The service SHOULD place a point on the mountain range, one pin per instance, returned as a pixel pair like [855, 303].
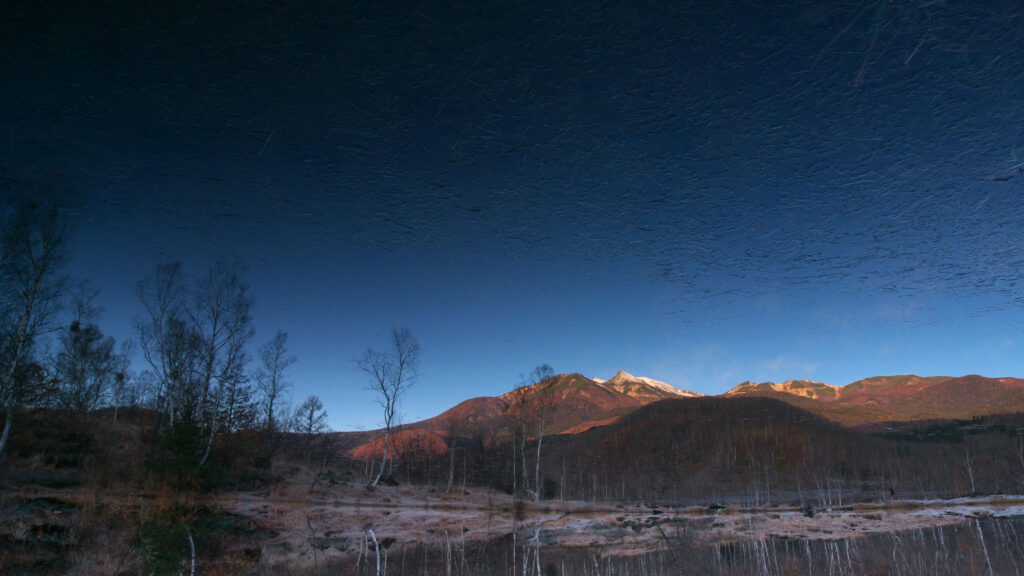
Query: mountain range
[896, 398]
[573, 404]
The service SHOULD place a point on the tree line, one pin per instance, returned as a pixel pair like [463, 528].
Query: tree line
[194, 335]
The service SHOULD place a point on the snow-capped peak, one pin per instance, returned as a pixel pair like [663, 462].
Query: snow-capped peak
[625, 383]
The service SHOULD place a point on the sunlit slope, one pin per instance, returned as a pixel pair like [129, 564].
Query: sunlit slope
[568, 403]
[897, 398]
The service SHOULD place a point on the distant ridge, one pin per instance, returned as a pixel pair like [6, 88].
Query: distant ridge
[804, 388]
[891, 398]
[576, 404]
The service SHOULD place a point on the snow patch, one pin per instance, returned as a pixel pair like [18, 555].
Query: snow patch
[622, 378]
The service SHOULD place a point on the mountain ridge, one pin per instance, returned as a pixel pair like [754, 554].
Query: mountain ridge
[903, 397]
[573, 404]
[625, 383]
[805, 388]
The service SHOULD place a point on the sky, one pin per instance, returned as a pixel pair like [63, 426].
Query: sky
[699, 192]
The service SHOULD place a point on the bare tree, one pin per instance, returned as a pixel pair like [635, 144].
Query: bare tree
[391, 373]
[164, 337]
[968, 465]
[271, 378]
[33, 245]
[150, 392]
[221, 316]
[515, 421]
[194, 339]
[542, 402]
[529, 405]
[86, 363]
[310, 417]
[454, 429]
[1020, 456]
[125, 391]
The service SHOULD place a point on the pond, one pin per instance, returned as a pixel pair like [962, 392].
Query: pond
[484, 533]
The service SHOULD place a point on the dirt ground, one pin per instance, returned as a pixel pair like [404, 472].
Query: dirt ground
[336, 519]
[300, 522]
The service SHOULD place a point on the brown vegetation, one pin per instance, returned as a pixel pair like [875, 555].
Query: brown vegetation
[897, 398]
[76, 486]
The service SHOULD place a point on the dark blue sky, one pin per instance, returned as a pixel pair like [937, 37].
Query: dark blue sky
[699, 192]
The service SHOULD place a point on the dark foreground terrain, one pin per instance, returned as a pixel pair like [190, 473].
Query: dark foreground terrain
[690, 486]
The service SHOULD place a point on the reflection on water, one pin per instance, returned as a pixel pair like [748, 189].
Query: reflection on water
[980, 545]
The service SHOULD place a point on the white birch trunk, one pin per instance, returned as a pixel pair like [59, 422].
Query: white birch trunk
[384, 462]
[376, 548]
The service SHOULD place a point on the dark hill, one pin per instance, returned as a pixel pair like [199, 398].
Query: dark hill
[755, 450]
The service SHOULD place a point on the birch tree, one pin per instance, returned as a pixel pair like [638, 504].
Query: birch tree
[391, 373]
[221, 316]
[454, 429]
[271, 378]
[541, 407]
[516, 419]
[164, 337]
[530, 404]
[193, 336]
[33, 252]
